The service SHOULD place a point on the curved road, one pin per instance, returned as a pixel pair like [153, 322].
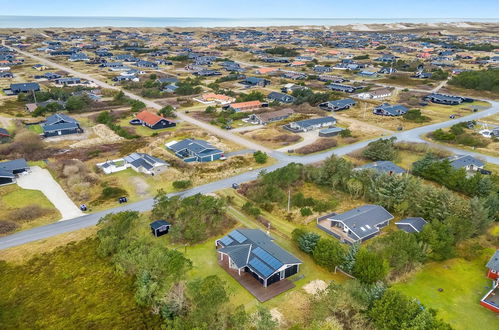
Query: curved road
[61, 227]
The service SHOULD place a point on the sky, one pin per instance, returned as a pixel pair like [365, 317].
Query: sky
[256, 8]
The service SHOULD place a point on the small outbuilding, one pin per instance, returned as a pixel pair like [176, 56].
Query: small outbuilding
[160, 227]
[411, 225]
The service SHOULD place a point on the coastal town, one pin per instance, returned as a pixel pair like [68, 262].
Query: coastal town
[314, 178]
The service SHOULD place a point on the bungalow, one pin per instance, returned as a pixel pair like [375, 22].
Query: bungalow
[331, 78]
[356, 225]
[193, 150]
[330, 131]
[446, 99]
[254, 252]
[375, 94]
[10, 169]
[6, 75]
[255, 81]
[40, 67]
[146, 64]
[152, 120]
[280, 97]
[30, 107]
[390, 110]
[337, 105]
[16, 89]
[71, 81]
[341, 88]
[386, 58]
[160, 227]
[411, 225]
[78, 57]
[269, 117]
[139, 162]
[168, 80]
[59, 124]
[246, 106]
[385, 166]
[491, 299]
[467, 162]
[169, 88]
[211, 98]
[207, 73]
[310, 124]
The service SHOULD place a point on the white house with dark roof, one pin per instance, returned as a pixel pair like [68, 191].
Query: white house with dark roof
[356, 225]
[139, 162]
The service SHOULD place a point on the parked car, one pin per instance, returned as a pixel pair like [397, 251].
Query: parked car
[122, 200]
[235, 186]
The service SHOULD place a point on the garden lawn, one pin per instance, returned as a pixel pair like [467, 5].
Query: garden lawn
[35, 128]
[464, 284]
[12, 197]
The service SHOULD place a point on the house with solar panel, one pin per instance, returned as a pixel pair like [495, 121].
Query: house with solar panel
[193, 150]
[357, 225]
[251, 252]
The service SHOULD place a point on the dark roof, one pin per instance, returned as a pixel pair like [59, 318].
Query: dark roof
[256, 250]
[158, 223]
[460, 161]
[193, 145]
[25, 87]
[383, 167]
[394, 110]
[363, 220]
[4, 132]
[7, 168]
[315, 121]
[146, 161]
[493, 263]
[411, 225]
[59, 118]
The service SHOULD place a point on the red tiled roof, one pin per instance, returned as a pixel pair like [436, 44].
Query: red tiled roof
[149, 117]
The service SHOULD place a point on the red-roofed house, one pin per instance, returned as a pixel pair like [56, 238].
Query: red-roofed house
[152, 120]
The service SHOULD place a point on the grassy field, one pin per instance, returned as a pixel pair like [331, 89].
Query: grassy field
[69, 288]
[35, 128]
[12, 198]
[463, 283]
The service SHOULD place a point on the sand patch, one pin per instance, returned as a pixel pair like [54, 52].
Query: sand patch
[277, 316]
[314, 287]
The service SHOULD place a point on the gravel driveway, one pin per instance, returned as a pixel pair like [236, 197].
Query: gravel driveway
[41, 179]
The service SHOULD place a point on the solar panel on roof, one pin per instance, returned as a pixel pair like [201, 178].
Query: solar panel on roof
[226, 240]
[240, 238]
[267, 258]
[260, 267]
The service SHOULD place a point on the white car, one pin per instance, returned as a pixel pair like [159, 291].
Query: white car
[486, 133]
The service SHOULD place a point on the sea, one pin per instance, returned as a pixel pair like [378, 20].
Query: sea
[88, 22]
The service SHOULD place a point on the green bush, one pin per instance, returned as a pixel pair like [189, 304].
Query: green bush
[260, 157]
[181, 184]
[306, 212]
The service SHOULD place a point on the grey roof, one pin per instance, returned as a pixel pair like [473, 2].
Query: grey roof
[252, 247]
[493, 263]
[14, 165]
[363, 220]
[385, 166]
[3, 131]
[193, 145]
[411, 225]
[58, 118]
[341, 103]
[281, 97]
[460, 161]
[25, 87]
[394, 110]
[59, 127]
[315, 121]
[146, 161]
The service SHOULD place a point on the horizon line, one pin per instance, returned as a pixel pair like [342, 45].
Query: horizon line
[210, 17]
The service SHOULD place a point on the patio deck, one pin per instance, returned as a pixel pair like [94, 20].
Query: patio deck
[492, 298]
[254, 287]
[325, 225]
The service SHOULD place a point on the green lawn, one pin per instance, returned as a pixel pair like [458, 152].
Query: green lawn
[464, 284]
[35, 128]
[12, 197]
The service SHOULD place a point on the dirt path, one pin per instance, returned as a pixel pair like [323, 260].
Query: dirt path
[41, 179]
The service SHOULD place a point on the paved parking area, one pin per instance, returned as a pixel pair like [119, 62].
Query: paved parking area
[41, 179]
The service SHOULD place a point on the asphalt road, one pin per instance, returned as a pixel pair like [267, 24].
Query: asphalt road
[61, 227]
